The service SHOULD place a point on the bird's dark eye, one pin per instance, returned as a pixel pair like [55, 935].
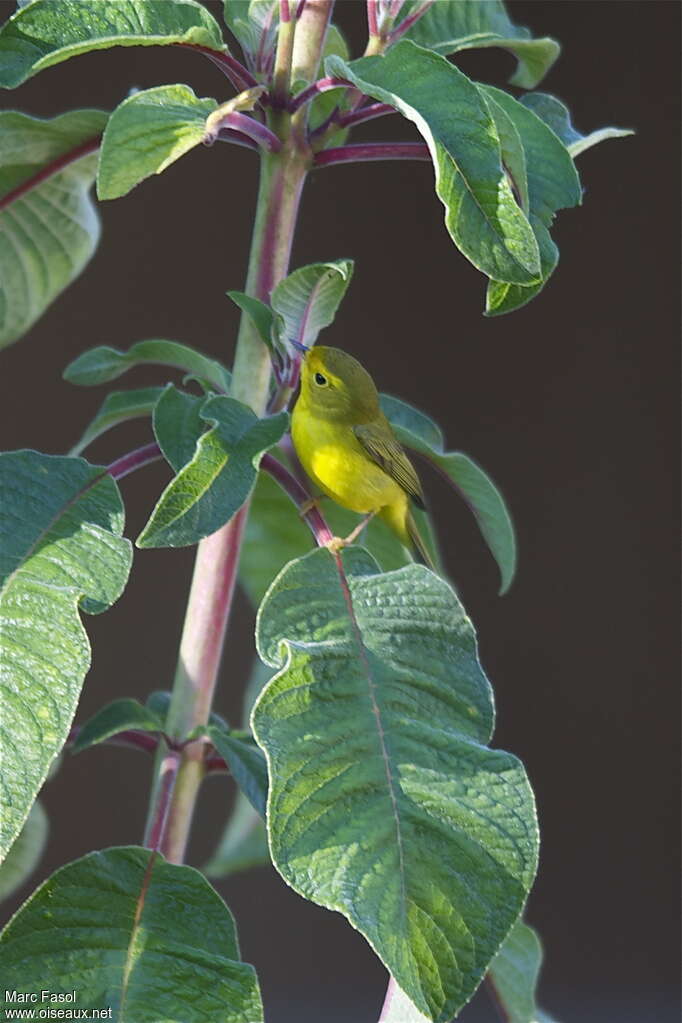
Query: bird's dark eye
[320, 379]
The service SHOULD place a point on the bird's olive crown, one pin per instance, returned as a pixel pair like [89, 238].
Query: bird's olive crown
[336, 385]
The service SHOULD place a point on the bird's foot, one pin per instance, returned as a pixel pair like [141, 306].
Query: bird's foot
[337, 543]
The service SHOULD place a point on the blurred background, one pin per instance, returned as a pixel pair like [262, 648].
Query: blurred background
[570, 405]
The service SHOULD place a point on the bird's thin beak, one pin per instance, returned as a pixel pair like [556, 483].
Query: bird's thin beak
[299, 346]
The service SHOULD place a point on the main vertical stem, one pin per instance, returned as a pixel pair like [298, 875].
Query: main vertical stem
[215, 569]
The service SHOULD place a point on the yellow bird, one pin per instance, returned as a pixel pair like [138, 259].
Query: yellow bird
[347, 447]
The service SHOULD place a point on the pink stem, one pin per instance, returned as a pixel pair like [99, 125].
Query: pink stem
[365, 152]
[248, 126]
[284, 12]
[321, 85]
[300, 8]
[229, 65]
[409, 21]
[237, 139]
[367, 113]
[299, 496]
[134, 460]
[372, 23]
[168, 773]
[52, 168]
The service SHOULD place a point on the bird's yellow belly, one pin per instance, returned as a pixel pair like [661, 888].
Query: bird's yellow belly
[334, 459]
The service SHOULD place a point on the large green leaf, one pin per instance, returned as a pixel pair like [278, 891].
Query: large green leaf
[385, 802]
[49, 230]
[47, 32]
[308, 298]
[99, 365]
[415, 430]
[61, 551]
[119, 407]
[148, 939]
[481, 213]
[553, 184]
[26, 852]
[514, 974]
[556, 115]
[148, 132]
[452, 25]
[208, 491]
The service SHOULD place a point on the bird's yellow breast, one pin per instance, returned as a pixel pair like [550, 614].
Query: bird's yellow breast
[332, 456]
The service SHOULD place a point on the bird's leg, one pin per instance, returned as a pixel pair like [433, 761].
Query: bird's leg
[312, 502]
[337, 543]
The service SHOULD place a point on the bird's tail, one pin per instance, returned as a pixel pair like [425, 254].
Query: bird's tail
[419, 550]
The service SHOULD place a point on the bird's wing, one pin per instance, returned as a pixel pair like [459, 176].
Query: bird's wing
[382, 447]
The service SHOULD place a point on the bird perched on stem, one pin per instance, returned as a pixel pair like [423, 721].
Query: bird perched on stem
[348, 448]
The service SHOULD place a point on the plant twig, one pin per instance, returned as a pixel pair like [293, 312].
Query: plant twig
[367, 151]
[367, 113]
[134, 460]
[301, 498]
[229, 65]
[311, 91]
[409, 21]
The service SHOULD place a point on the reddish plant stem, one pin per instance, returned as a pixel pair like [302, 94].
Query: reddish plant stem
[311, 91]
[300, 497]
[51, 168]
[248, 126]
[365, 152]
[367, 113]
[409, 21]
[237, 139]
[134, 460]
[372, 23]
[229, 65]
[167, 778]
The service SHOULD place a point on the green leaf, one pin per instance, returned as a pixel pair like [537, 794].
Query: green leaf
[178, 425]
[128, 931]
[246, 764]
[207, 492]
[148, 132]
[253, 23]
[308, 298]
[119, 407]
[99, 365]
[61, 551]
[513, 155]
[415, 430]
[26, 853]
[47, 32]
[118, 716]
[481, 214]
[49, 231]
[244, 843]
[261, 314]
[385, 802]
[514, 974]
[553, 184]
[557, 117]
[452, 25]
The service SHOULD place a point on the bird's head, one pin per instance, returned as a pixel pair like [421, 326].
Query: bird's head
[335, 386]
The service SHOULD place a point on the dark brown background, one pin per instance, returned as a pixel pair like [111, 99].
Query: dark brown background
[569, 404]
